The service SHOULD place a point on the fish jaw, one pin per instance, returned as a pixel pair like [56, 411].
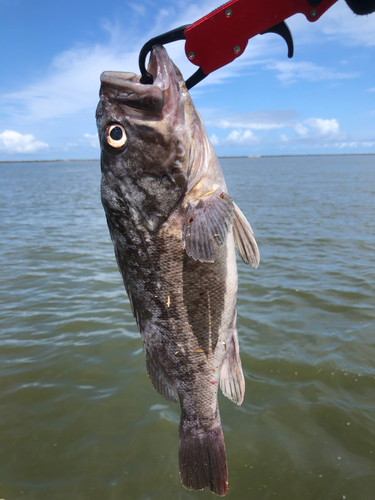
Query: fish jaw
[164, 99]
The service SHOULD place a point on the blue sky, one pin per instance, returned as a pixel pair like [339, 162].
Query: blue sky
[52, 53]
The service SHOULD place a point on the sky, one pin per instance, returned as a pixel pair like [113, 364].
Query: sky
[322, 101]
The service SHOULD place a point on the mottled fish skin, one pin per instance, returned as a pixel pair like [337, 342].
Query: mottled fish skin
[174, 228]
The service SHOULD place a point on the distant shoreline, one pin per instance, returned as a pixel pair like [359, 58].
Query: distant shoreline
[240, 156]
[299, 155]
[46, 161]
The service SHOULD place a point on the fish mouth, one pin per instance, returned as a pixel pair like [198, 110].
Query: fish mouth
[124, 87]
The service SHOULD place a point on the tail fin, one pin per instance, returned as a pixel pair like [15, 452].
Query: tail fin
[202, 459]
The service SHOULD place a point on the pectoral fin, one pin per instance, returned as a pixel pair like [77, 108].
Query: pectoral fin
[208, 220]
[232, 382]
[244, 239]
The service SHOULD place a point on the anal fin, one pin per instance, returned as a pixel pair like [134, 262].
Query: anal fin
[232, 382]
[244, 240]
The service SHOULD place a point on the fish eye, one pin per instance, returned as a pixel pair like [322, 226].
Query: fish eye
[115, 135]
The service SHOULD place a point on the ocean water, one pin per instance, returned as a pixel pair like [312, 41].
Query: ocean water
[78, 417]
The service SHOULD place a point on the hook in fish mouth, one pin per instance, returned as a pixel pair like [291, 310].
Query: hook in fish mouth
[171, 36]
[125, 88]
[163, 95]
[157, 73]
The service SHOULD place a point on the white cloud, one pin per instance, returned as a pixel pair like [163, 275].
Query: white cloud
[14, 142]
[71, 85]
[66, 97]
[356, 144]
[290, 72]
[330, 139]
[214, 140]
[139, 8]
[371, 90]
[242, 137]
[236, 138]
[92, 139]
[259, 120]
[324, 127]
[301, 130]
[315, 132]
[312, 132]
[337, 24]
[296, 134]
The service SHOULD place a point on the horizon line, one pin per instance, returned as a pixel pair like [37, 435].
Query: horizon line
[232, 156]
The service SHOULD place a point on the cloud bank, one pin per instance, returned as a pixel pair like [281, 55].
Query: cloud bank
[283, 128]
[14, 142]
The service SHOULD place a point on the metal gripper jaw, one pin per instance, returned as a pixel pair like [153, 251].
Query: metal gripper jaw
[282, 30]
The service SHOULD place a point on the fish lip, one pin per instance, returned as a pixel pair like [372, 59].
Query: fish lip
[123, 81]
[118, 78]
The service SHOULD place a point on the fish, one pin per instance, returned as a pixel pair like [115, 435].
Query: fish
[174, 229]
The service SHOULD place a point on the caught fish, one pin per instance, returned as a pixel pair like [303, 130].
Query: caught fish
[174, 228]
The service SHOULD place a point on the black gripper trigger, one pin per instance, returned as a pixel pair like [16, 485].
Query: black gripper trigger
[283, 30]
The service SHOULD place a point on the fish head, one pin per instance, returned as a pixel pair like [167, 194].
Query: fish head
[144, 137]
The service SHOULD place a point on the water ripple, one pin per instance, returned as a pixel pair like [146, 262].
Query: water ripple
[78, 415]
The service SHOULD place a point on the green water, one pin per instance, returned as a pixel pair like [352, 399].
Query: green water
[78, 417]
